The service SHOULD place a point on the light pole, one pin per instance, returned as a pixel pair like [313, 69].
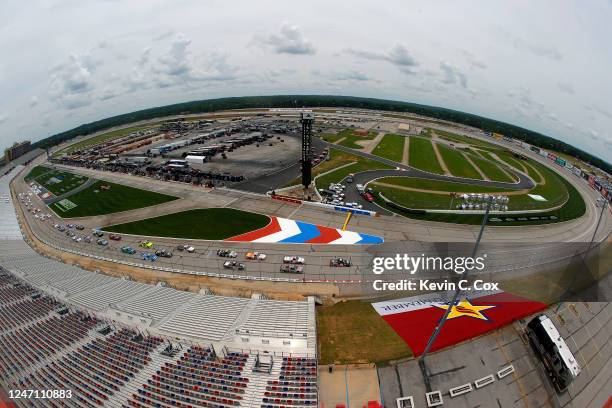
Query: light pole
[453, 301]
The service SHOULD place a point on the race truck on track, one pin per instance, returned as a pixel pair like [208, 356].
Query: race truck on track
[294, 260]
[226, 253]
[340, 262]
[255, 256]
[291, 268]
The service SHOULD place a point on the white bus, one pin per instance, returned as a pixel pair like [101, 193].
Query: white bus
[560, 363]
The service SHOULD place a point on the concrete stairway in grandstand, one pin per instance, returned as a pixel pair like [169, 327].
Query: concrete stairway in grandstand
[121, 397]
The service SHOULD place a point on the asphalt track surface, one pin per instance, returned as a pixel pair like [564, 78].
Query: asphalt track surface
[280, 178]
[521, 249]
[524, 181]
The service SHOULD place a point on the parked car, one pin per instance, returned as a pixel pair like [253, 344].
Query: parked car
[102, 242]
[291, 269]
[80, 227]
[294, 260]
[87, 239]
[145, 244]
[259, 256]
[114, 237]
[227, 253]
[233, 265]
[98, 233]
[340, 262]
[164, 254]
[128, 250]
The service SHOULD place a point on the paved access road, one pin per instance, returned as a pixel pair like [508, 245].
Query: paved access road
[524, 181]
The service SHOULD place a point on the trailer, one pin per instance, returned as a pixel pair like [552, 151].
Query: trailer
[196, 159]
[558, 360]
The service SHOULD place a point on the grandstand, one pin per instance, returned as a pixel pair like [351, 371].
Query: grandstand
[119, 343]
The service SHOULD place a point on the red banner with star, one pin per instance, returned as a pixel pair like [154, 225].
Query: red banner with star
[415, 318]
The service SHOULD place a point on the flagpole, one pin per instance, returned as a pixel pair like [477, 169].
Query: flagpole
[438, 328]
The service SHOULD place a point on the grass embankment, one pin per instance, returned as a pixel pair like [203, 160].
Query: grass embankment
[115, 134]
[492, 170]
[206, 223]
[457, 164]
[60, 182]
[453, 137]
[347, 138]
[553, 190]
[36, 172]
[573, 208]
[439, 197]
[422, 155]
[352, 332]
[98, 200]
[360, 164]
[391, 147]
[338, 158]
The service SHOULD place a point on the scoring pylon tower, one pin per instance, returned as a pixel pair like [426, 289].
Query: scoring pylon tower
[307, 118]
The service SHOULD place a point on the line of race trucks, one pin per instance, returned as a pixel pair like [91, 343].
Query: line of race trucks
[291, 263]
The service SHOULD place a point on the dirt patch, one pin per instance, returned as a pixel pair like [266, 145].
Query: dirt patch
[370, 145]
[542, 180]
[439, 156]
[523, 169]
[484, 176]
[406, 152]
[352, 332]
[502, 168]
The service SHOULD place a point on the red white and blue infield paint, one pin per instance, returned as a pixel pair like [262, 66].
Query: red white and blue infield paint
[283, 230]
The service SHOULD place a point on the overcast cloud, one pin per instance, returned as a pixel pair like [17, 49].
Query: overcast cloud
[66, 62]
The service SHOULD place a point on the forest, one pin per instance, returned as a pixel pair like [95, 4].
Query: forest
[313, 101]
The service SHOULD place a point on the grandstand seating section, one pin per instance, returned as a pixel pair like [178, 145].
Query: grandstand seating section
[56, 333]
[296, 385]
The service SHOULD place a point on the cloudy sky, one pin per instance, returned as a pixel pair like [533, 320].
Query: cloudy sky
[544, 65]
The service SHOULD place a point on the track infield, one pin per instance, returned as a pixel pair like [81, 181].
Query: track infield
[204, 223]
[106, 198]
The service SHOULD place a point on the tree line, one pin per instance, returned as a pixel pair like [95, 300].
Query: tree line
[313, 101]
